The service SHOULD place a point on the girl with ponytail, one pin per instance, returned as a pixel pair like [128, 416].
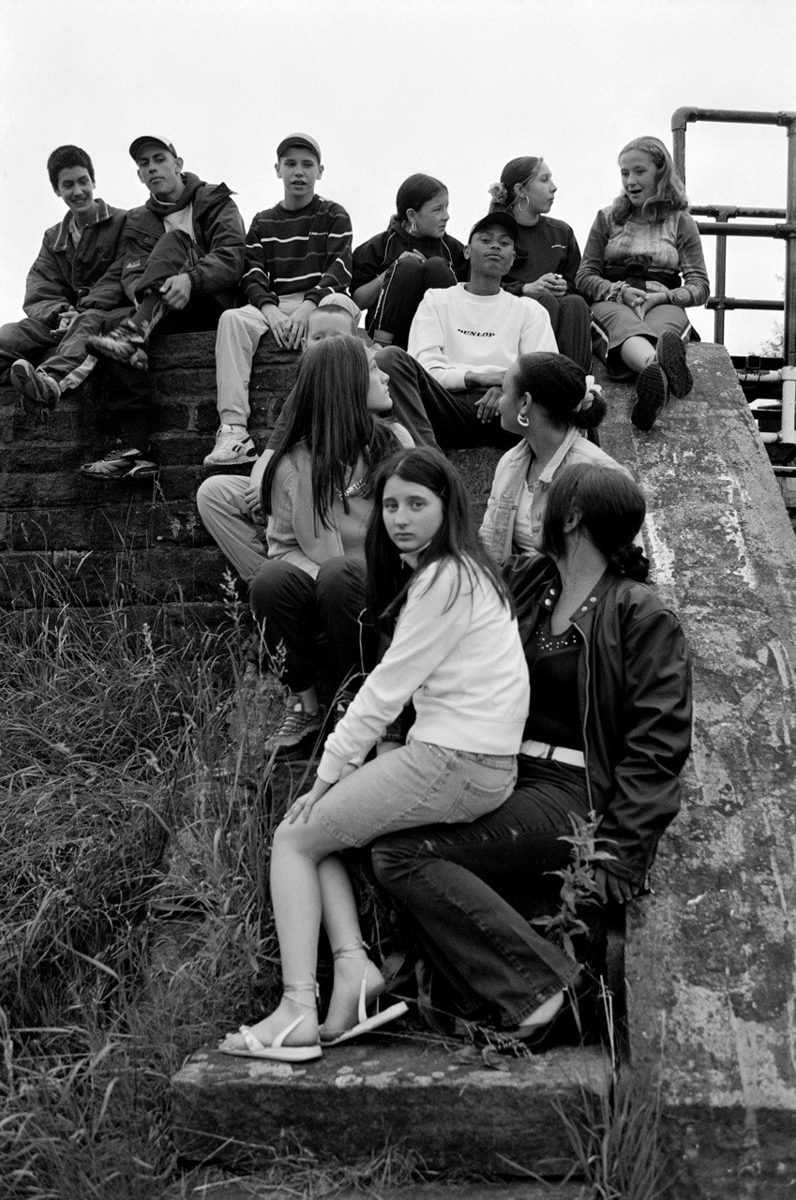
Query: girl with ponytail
[549, 402]
[607, 735]
[548, 255]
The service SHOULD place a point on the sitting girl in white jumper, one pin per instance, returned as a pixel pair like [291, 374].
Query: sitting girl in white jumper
[456, 654]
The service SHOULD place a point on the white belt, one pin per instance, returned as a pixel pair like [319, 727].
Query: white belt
[573, 758]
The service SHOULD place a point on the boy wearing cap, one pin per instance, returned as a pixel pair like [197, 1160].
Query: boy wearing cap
[296, 253]
[447, 388]
[183, 253]
[468, 335]
[73, 289]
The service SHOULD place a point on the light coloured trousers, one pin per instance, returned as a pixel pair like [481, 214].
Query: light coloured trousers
[237, 338]
[221, 501]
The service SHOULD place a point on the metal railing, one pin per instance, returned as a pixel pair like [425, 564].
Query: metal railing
[725, 224]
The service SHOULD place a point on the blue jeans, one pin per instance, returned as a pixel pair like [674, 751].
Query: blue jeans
[417, 784]
[462, 889]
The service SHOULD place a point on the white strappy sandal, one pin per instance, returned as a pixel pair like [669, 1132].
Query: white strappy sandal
[277, 1051]
[364, 1023]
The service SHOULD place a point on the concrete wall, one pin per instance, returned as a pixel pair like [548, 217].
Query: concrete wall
[710, 958]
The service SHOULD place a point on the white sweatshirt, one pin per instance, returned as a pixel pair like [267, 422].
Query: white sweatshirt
[454, 332]
[463, 666]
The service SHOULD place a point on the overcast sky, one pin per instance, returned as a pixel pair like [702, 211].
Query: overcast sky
[388, 87]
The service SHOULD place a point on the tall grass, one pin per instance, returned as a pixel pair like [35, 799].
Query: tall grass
[136, 813]
[616, 1135]
[118, 806]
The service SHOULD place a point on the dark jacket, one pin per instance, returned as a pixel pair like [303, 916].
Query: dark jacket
[82, 276]
[373, 256]
[635, 701]
[218, 230]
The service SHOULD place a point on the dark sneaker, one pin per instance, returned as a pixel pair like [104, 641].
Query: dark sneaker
[120, 464]
[295, 727]
[124, 345]
[651, 395]
[37, 390]
[670, 353]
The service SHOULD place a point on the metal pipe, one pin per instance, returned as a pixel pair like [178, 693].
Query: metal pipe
[730, 210]
[718, 302]
[760, 377]
[721, 287]
[737, 230]
[790, 253]
[787, 432]
[680, 119]
[681, 116]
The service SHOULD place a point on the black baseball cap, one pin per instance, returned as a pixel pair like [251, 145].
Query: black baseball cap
[497, 218]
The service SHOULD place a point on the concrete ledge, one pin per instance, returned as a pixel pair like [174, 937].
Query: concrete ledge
[710, 956]
[355, 1099]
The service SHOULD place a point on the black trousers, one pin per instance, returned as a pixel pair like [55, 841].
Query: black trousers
[434, 415]
[295, 609]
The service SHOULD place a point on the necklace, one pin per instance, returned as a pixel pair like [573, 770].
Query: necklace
[547, 641]
[354, 489]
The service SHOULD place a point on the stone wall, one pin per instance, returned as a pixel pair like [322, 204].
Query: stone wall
[139, 539]
[142, 539]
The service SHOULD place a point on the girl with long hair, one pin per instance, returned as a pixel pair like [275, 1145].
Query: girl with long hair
[642, 267]
[393, 269]
[550, 404]
[455, 652]
[548, 255]
[317, 494]
[607, 733]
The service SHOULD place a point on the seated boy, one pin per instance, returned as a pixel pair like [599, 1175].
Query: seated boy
[229, 505]
[183, 253]
[73, 290]
[296, 253]
[465, 337]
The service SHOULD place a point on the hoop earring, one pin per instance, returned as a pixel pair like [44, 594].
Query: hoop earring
[520, 205]
[522, 421]
[412, 225]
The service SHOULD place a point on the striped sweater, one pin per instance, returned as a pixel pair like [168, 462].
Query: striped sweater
[306, 250]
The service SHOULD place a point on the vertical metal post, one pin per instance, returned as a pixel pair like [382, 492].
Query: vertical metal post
[678, 145]
[721, 283]
[790, 251]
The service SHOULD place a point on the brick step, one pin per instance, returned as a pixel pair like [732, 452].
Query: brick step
[437, 1099]
[51, 515]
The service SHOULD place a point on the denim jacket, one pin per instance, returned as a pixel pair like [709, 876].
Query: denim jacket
[497, 528]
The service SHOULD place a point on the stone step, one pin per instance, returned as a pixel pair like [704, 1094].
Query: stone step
[440, 1100]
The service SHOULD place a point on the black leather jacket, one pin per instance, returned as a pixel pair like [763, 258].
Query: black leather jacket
[635, 702]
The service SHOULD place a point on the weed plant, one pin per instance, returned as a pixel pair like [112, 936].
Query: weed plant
[125, 810]
[616, 1135]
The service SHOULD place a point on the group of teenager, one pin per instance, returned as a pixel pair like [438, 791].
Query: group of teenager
[540, 678]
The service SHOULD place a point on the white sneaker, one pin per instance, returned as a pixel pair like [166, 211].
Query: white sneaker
[233, 445]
